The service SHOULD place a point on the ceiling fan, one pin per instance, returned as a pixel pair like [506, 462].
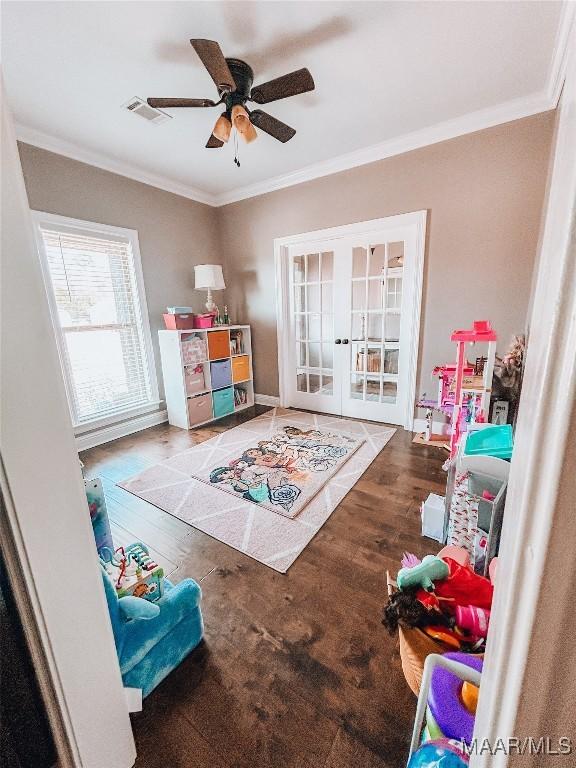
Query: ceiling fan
[233, 79]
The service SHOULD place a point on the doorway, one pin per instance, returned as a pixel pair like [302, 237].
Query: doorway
[349, 314]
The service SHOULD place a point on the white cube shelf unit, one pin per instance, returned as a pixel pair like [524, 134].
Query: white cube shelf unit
[207, 373]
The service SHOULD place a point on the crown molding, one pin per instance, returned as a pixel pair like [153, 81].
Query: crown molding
[450, 129]
[62, 147]
[515, 109]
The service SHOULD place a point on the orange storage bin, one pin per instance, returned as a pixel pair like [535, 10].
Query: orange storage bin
[240, 368]
[218, 344]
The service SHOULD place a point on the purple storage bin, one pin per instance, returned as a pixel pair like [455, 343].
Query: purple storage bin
[221, 374]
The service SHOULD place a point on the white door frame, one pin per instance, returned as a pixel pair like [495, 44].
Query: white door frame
[46, 534]
[528, 678]
[281, 246]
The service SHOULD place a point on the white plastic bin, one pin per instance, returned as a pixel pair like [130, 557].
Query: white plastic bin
[433, 517]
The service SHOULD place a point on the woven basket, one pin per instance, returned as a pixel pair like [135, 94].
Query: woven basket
[415, 645]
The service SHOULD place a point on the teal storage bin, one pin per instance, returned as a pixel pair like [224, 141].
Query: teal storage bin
[223, 400]
[492, 441]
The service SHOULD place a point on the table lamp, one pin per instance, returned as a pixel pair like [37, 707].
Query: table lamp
[209, 277]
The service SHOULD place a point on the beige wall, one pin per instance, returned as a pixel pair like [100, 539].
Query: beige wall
[174, 233]
[484, 194]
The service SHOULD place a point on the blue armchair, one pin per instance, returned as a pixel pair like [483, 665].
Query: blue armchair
[153, 638]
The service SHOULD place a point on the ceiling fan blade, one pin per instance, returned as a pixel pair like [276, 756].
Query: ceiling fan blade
[300, 81]
[168, 103]
[214, 143]
[271, 125]
[213, 59]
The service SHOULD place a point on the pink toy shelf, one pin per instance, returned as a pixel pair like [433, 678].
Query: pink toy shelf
[444, 403]
[472, 397]
[446, 380]
[463, 388]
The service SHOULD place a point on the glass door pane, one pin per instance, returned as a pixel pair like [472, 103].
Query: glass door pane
[369, 307]
[312, 271]
[373, 298]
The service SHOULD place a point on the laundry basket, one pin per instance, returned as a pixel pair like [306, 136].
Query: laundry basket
[415, 645]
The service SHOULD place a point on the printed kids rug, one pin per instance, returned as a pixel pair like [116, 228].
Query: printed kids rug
[267, 486]
[285, 470]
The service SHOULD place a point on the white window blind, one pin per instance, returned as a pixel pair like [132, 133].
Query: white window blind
[104, 343]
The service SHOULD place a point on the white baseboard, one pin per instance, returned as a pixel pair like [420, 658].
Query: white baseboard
[106, 434]
[271, 400]
[419, 425]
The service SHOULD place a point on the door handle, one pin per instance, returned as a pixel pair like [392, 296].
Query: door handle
[337, 341]
[345, 341]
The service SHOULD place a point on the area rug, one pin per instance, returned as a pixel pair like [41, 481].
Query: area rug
[271, 538]
[284, 471]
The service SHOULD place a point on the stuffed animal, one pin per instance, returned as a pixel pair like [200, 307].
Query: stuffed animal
[424, 574]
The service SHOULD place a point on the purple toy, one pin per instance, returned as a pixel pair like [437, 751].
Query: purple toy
[452, 717]
[409, 560]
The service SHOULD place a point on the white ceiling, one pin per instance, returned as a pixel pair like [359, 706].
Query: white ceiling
[382, 70]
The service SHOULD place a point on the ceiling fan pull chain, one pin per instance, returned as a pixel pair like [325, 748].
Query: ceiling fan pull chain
[236, 160]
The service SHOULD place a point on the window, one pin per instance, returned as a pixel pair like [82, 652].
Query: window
[94, 282]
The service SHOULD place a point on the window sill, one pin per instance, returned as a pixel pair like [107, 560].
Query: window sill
[116, 418]
[122, 429]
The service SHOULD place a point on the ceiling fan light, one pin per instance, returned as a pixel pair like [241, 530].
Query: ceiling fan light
[222, 128]
[242, 123]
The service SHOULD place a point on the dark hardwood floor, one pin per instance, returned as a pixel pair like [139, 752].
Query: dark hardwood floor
[296, 670]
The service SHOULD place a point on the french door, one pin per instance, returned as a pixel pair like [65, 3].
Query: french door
[351, 305]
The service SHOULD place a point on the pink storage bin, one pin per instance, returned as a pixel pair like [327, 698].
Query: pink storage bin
[199, 409]
[194, 379]
[178, 322]
[203, 321]
[194, 350]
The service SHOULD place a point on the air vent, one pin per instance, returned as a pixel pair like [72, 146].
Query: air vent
[140, 107]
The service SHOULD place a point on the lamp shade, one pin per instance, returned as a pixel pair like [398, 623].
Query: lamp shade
[242, 123]
[222, 128]
[209, 276]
